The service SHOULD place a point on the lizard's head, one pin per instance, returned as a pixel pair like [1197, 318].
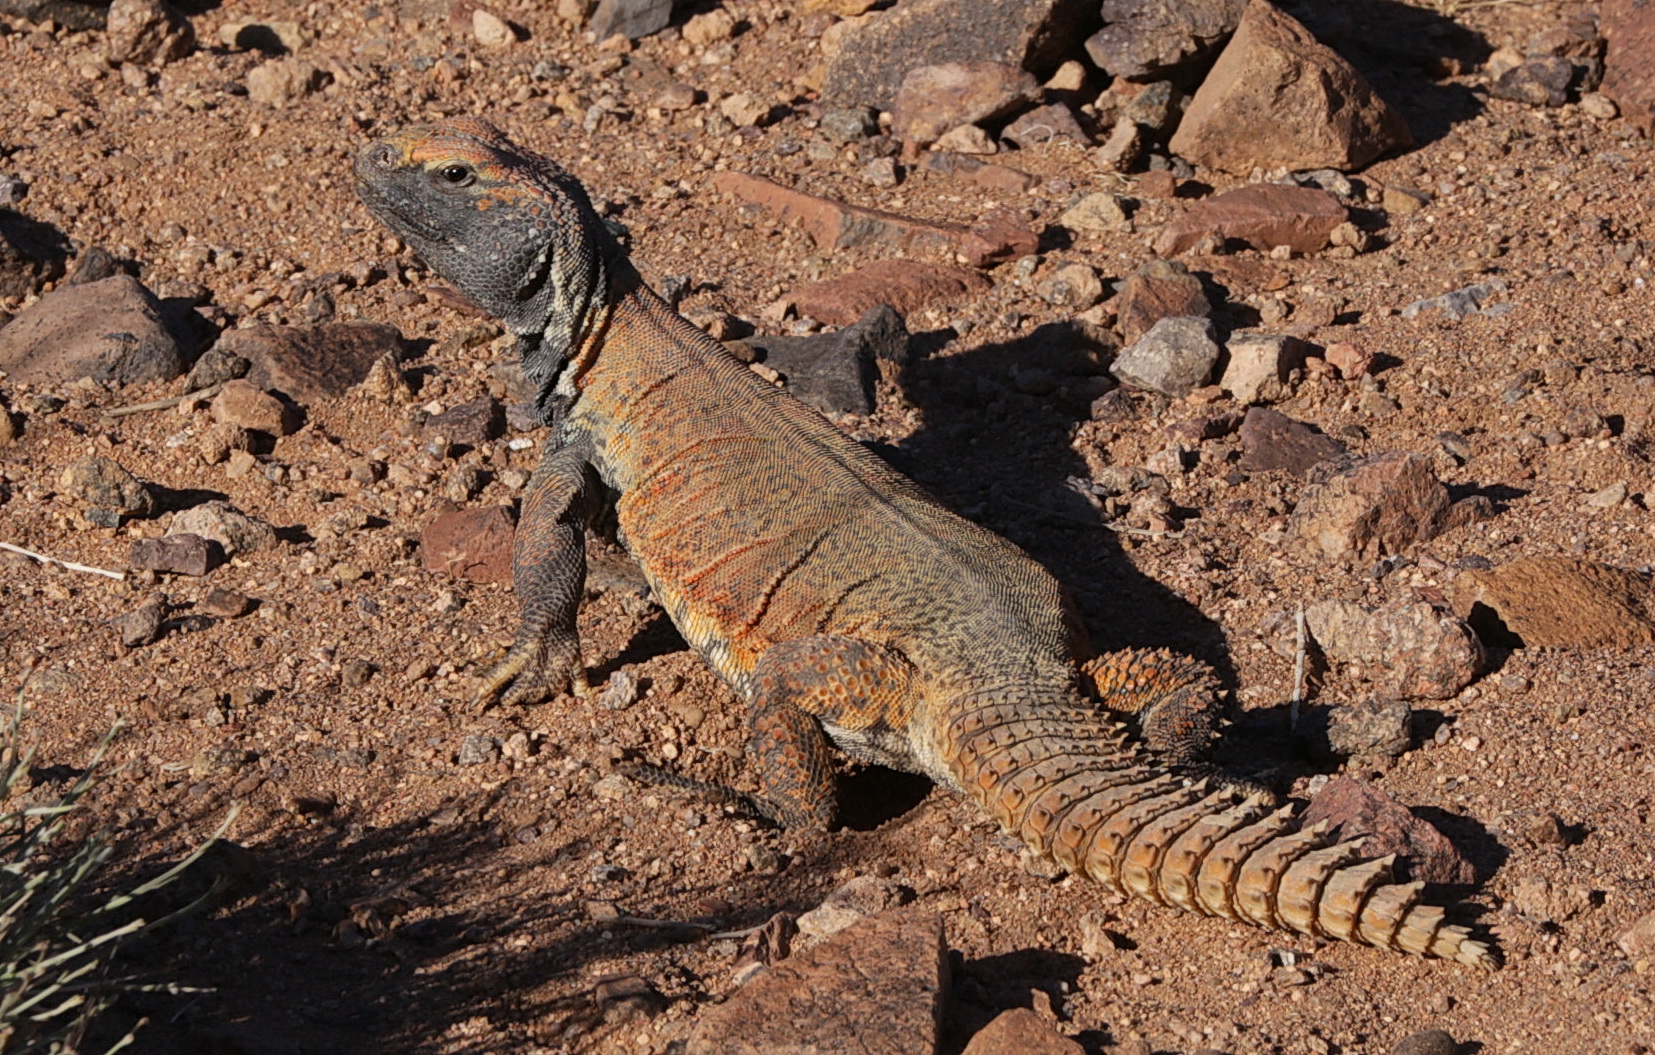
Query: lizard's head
[512, 230]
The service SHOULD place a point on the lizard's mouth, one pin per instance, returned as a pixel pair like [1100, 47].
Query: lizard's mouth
[403, 221]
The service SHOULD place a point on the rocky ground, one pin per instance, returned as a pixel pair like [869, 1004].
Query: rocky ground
[1437, 443]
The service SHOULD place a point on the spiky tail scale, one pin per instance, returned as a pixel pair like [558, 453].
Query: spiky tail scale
[1063, 779]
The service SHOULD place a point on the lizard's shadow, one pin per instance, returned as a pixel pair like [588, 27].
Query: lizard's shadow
[995, 446]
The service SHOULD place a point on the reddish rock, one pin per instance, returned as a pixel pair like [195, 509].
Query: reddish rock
[906, 285]
[471, 544]
[1043, 124]
[1561, 602]
[1272, 440]
[225, 604]
[1352, 361]
[245, 405]
[835, 225]
[1021, 1032]
[1160, 289]
[1628, 75]
[311, 363]
[875, 54]
[147, 32]
[473, 423]
[1378, 506]
[1157, 183]
[1356, 809]
[891, 969]
[109, 330]
[987, 174]
[1408, 649]
[1262, 215]
[175, 554]
[934, 99]
[1278, 99]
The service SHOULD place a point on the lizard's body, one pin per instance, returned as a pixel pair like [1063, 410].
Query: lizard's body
[835, 596]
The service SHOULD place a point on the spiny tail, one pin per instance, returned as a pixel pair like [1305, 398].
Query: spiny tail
[1065, 781]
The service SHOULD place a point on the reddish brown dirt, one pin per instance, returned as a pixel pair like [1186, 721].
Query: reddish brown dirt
[399, 902]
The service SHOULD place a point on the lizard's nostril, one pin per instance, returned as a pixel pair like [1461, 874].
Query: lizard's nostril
[385, 156]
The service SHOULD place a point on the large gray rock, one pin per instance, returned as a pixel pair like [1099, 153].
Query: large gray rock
[1147, 40]
[875, 56]
[110, 331]
[1174, 358]
[630, 18]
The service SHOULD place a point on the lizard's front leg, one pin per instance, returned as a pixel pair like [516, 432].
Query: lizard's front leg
[548, 567]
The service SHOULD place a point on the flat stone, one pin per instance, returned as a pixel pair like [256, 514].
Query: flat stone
[225, 604]
[1021, 1031]
[1542, 81]
[1174, 358]
[1272, 440]
[1261, 366]
[1276, 98]
[987, 174]
[933, 99]
[875, 54]
[1628, 75]
[472, 423]
[1356, 809]
[630, 18]
[969, 140]
[490, 30]
[850, 124]
[106, 484]
[245, 405]
[175, 554]
[1160, 289]
[111, 331]
[835, 225]
[1459, 303]
[75, 15]
[147, 32]
[311, 363]
[1098, 211]
[1408, 649]
[1381, 505]
[836, 372]
[1147, 40]
[32, 253]
[892, 969]
[1260, 215]
[233, 530]
[472, 544]
[906, 285]
[1044, 124]
[1559, 602]
[853, 900]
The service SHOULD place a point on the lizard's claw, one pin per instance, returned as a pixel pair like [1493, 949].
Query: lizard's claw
[534, 672]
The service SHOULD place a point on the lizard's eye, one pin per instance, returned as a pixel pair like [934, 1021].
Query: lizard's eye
[457, 175]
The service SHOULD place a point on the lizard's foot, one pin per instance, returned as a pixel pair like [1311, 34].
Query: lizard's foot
[534, 672]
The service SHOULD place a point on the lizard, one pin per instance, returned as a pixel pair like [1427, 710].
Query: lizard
[842, 602]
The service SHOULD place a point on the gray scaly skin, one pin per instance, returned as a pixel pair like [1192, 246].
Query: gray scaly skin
[838, 599]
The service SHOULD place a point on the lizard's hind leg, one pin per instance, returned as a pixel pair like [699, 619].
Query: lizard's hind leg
[803, 691]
